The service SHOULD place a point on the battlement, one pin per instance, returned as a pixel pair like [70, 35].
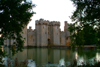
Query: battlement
[41, 22]
[46, 22]
[54, 23]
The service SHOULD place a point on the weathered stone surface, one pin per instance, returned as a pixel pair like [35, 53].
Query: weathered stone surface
[67, 33]
[63, 39]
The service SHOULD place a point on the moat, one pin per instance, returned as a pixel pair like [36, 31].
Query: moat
[54, 56]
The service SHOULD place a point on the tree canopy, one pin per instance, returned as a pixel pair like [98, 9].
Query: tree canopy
[86, 10]
[14, 16]
[87, 22]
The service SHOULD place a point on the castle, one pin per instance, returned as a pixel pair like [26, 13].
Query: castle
[45, 33]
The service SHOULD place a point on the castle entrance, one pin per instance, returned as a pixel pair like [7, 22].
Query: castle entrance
[48, 41]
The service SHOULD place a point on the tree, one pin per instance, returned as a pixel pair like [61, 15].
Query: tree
[90, 35]
[14, 15]
[87, 11]
[87, 19]
[77, 35]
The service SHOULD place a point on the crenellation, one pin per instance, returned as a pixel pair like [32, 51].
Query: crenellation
[54, 23]
[46, 22]
[41, 22]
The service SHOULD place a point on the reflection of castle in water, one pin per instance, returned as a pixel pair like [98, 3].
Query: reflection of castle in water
[46, 33]
[42, 56]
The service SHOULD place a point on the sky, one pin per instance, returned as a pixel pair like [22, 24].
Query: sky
[52, 10]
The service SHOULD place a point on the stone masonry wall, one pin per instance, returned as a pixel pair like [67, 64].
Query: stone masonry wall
[56, 33]
[31, 37]
[63, 39]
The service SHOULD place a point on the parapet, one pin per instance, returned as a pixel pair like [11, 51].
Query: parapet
[46, 22]
[54, 23]
[41, 22]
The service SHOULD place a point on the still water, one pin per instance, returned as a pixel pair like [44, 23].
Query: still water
[54, 56]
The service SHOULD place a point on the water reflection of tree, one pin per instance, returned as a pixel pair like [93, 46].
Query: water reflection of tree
[86, 53]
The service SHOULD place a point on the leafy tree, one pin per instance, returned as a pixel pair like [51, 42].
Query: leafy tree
[85, 35]
[87, 11]
[86, 18]
[14, 15]
[77, 35]
[90, 35]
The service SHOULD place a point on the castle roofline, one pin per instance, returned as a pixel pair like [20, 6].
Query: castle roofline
[46, 22]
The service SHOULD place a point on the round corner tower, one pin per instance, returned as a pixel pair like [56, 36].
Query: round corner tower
[55, 33]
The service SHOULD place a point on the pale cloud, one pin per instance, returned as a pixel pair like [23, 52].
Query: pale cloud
[52, 10]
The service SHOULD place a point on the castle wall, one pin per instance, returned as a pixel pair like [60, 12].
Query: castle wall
[56, 35]
[50, 34]
[5, 42]
[9, 42]
[44, 35]
[31, 41]
[24, 35]
[63, 39]
[38, 36]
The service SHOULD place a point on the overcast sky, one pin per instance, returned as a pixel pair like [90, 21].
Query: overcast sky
[52, 10]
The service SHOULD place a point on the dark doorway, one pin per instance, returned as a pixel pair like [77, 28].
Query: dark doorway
[48, 41]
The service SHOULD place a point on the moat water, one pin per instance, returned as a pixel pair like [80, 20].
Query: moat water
[54, 56]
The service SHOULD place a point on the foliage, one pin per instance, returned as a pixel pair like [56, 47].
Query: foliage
[86, 35]
[14, 16]
[77, 36]
[90, 35]
[86, 10]
[87, 26]
[1, 41]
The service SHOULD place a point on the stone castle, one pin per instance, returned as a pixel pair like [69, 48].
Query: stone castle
[46, 33]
